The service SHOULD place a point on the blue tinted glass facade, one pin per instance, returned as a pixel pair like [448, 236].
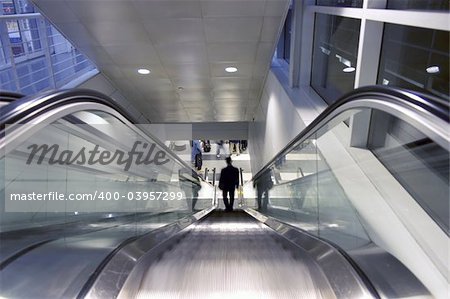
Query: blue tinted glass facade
[34, 56]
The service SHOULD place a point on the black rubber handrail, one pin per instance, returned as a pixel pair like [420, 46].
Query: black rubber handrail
[28, 108]
[9, 96]
[434, 105]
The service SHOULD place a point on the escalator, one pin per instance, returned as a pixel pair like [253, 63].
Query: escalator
[370, 175]
[6, 97]
[230, 255]
[339, 219]
[53, 249]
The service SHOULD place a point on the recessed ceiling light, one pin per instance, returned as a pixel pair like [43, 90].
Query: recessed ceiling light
[143, 71]
[348, 69]
[433, 69]
[231, 69]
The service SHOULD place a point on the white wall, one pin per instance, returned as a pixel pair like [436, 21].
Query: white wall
[100, 83]
[282, 114]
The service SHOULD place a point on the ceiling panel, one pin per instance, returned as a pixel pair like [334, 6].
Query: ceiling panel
[203, 110]
[148, 85]
[188, 70]
[200, 95]
[260, 69]
[98, 55]
[233, 101]
[58, 11]
[231, 94]
[182, 53]
[78, 34]
[233, 29]
[196, 104]
[167, 9]
[270, 29]
[175, 30]
[118, 33]
[276, 8]
[230, 83]
[185, 44]
[112, 71]
[136, 55]
[265, 52]
[187, 83]
[256, 83]
[94, 11]
[232, 52]
[233, 8]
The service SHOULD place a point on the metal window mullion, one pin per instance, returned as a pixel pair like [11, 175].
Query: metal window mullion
[369, 49]
[4, 35]
[422, 18]
[45, 45]
[296, 36]
[20, 16]
[306, 43]
[369, 46]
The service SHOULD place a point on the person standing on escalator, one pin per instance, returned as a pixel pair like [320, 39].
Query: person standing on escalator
[196, 154]
[228, 182]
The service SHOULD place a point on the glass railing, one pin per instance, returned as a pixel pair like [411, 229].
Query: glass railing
[371, 172]
[74, 165]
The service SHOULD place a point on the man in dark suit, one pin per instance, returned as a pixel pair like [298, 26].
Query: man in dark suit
[228, 182]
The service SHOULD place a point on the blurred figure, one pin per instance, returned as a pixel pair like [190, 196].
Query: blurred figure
[243, 145]
[190, 184]
[196, 154]
[234, 147]
[263, 185]
[219, 146]
[206, 146]
[228, 182]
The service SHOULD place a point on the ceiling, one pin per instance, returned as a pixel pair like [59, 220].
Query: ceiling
[185, 44]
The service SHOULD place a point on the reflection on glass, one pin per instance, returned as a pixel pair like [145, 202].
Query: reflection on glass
[283, 49]
[334, 56]
[418, 4]
[113, 200]
[415, 58]
[306, 186]
[287, 36]
[417, 162]
[263, 186]
[331, 183]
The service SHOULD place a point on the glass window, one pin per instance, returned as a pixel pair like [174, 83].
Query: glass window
[8, 7]
[2, 54]
[283, 50]
[419, 4]
[287, 36]
[28, 43]
[24, 6]
[15, 38]
[344, 3]
[417, 162]
[334, 56]
[415, 58]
